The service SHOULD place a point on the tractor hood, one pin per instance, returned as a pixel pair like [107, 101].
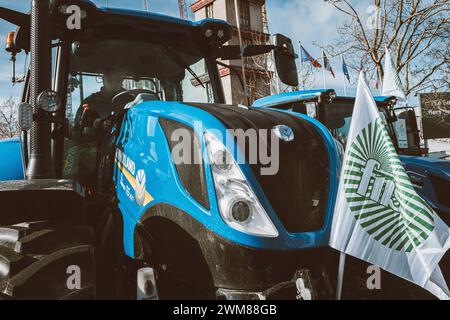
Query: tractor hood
[437, 166]
[431, 178]
[297, 185]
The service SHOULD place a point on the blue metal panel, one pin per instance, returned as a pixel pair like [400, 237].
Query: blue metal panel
[11, 164]
[384, 99]
[288, 97]
[148, 150]
[420, 169]
[298, 96]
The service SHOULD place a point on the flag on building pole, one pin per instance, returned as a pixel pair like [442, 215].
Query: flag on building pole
[346, 75]
[345, 69]
[306, 57]
[323, 71]
[327, 64]
[392, 85]
[379, 217]
[301, 64]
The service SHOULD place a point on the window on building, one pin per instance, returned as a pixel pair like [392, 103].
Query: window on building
[210, 10]
[244, 8]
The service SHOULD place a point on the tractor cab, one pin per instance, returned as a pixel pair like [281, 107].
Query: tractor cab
[106, 63]
[336, 113]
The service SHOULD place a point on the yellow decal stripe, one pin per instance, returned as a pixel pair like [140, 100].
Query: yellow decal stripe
[133, 183]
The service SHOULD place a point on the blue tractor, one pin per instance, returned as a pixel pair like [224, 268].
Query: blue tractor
[430, 176]
[134, 179]
[95, 200]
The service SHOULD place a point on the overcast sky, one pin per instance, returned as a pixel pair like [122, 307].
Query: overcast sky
[306, 20]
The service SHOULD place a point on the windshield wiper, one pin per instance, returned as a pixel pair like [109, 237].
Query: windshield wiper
[184, 65]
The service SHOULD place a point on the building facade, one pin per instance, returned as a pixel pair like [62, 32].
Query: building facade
[254, 30]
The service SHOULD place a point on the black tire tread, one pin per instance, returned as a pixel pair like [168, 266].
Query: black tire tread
[34, 258]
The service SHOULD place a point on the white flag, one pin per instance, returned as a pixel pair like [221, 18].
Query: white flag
[392, 85]
[379, 217]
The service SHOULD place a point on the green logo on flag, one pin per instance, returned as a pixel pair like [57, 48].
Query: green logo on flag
[380, 194]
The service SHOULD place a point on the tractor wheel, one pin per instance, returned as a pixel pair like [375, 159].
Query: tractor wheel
[43, 260]
[176, 270]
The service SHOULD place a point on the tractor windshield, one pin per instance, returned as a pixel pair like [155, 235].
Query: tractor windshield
[338, 116]
[101, 70]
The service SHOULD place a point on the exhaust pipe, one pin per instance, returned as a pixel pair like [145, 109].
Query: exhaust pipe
[40, 164]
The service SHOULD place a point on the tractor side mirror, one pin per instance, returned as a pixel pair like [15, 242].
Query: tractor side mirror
[285, 60]
[283, 51]
[411, 131]
[413, 125]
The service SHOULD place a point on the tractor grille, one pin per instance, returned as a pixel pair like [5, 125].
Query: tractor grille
[298, 192]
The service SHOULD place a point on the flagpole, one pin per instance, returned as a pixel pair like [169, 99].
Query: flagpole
[323, 70]
[380, 84]
[340, 277]
[301, 63]
[343, 77]
[277, 78]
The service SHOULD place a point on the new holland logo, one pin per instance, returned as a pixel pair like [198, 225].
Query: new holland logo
[284, 133]
[140, 187]
[380, 194]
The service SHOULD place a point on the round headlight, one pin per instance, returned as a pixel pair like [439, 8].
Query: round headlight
[221, 160]
[241, 211]
[209, 33]
[48, 101]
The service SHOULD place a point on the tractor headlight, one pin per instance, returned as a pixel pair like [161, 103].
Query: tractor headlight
[241, 211]
[209, 33]
[48, 101]
[238, 205]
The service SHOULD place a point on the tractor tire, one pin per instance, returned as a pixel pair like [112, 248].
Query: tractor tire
[44, 260]
[111, 271]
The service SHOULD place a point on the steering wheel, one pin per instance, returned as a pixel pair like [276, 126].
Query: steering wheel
[119, 101]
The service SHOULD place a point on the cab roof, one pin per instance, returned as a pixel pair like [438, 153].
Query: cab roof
[297, 96]
[103, 22]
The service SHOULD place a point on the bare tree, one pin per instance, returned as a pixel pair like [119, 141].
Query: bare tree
[9, 126]
[307, 77]
[417, 32]
[260, 70]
